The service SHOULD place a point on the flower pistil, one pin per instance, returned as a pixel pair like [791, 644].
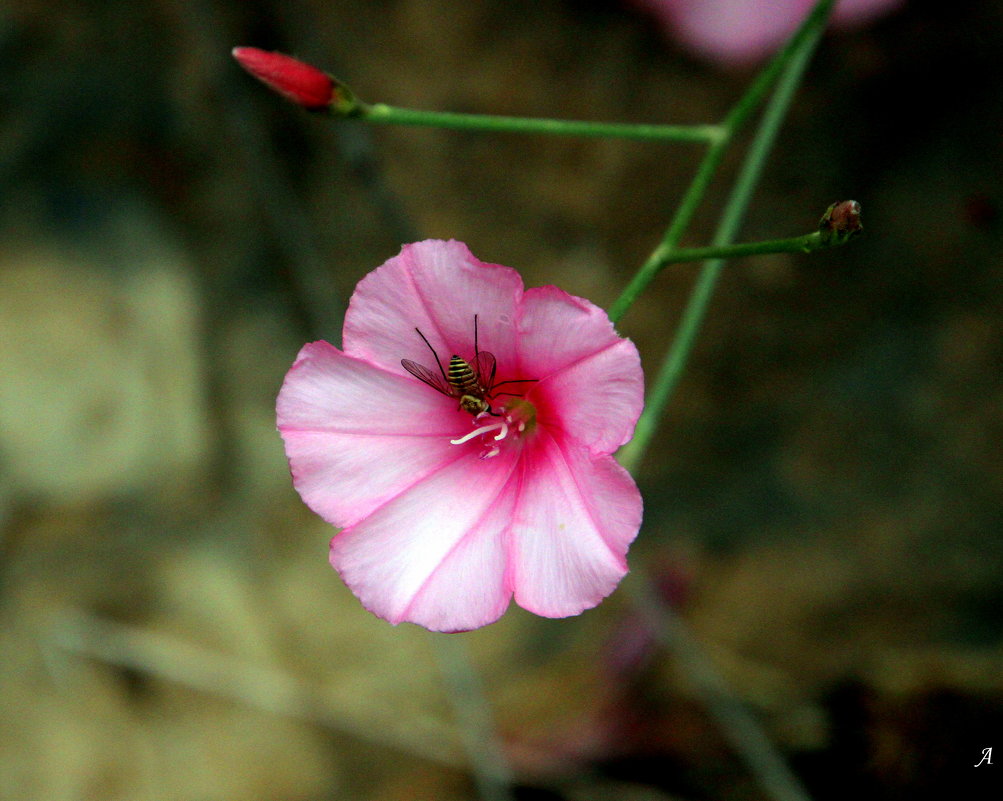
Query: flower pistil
[517, 419]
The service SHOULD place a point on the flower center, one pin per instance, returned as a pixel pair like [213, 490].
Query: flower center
[516, 420]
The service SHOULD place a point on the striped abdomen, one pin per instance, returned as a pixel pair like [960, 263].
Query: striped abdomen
[462, 377]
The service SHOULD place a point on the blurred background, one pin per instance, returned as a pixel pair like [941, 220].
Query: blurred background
[823, 500]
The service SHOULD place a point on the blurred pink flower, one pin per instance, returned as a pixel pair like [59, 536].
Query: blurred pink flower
[742, 31]
[448, 513]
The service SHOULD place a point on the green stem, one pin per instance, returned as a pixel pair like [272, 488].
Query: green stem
[383, 114]
[791, 71]
[733, 122]
[808, 243]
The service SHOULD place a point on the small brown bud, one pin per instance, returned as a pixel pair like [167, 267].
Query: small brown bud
[841, 222]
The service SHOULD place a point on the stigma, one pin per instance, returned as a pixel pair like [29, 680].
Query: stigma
[497, 429]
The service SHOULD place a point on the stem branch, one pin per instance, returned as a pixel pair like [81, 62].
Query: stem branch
[741, 728]
[809, 32]
[383, 114]
[796, 244]
[671, 370]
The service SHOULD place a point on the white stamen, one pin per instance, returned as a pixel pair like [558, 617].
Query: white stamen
[502, 425]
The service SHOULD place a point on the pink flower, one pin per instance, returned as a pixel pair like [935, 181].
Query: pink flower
[448, 511]
[742, 31]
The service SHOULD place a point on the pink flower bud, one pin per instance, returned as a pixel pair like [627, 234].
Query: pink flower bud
[301, 83]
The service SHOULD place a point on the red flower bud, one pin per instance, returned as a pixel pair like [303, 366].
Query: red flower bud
[302, 83]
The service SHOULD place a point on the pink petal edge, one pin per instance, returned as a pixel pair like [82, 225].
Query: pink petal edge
[576, 517]
[434, 555]
[357, 436]
[437, 287]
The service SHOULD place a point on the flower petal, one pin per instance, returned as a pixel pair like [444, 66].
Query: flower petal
[328, 390]
[591, 383]
[435, 554]
[557, 329]
[732, 31]
[438, 287]
[576, 516]
[469, 588]
[356, 435]
[740, 31]
[597, 400]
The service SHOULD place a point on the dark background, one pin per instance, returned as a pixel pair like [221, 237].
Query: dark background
[823, 499]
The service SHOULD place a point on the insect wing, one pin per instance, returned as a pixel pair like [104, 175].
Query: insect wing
[485, 366]
[422, 373]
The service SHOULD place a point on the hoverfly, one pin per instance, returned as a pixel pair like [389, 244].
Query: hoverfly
[472, 382]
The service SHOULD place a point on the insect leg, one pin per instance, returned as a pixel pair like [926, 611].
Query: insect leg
[441, 370]
[515, 381]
